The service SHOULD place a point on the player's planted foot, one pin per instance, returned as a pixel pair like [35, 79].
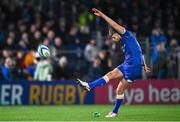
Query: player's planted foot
[111, 114]
[83, 85]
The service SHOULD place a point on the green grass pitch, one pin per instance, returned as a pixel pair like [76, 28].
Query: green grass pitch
[85, 113]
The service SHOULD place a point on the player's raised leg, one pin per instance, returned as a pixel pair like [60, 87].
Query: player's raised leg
[123, 85]
[115, 74]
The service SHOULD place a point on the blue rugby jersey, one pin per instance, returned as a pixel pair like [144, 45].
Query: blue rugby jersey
[131, 49]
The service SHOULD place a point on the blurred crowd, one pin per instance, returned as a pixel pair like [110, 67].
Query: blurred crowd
[79, 43]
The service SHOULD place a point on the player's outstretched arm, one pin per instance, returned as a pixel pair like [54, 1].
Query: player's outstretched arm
[120, 29]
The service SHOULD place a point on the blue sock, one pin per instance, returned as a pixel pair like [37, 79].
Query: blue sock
[117, 105]
[98, 82]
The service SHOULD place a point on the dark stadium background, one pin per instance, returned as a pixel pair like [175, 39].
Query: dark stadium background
[80, 48]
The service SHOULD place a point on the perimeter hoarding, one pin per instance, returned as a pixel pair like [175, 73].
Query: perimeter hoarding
[142, 92]
[44, 93]
[67, 92]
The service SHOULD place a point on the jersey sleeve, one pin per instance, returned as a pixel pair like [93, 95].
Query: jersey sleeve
[127, 33]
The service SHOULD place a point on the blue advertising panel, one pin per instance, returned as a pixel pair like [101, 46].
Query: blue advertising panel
[43, 93]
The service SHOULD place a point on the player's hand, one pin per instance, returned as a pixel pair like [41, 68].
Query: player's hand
[97, 12]
[147, 69]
